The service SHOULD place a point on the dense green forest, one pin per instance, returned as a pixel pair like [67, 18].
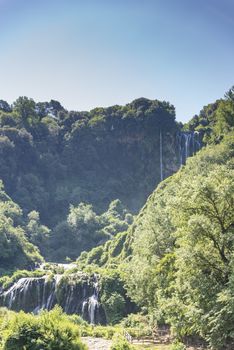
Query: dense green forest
[177, 257]
[72, 157]
[73, 183]
[53, 160]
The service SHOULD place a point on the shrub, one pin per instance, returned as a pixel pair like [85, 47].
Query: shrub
[49, 331]
[177, 345]
[114, 307]
[120, 343]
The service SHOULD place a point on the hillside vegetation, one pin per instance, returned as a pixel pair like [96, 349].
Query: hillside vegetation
[173, 262]
[177, 257]
[66, 168]
[16, 251]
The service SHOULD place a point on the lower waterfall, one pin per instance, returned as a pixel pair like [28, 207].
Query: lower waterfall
[91, 305]
[76, 295]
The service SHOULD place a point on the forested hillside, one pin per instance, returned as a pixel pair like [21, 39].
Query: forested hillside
[215, 120]
[16, 251]
[182, 249]
[176, 260]
[172, 263]
[177, 257]
[65, 169]
[51, 158]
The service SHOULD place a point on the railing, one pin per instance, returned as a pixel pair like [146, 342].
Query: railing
[127, 336]
[158, 336]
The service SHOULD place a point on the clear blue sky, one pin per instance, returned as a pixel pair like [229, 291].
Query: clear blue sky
[88, 53]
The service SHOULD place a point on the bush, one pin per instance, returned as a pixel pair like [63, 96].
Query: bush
[49, 331]
[114, 307]
[99, 332]
[137, 325]
[120, 343]
[113, 296]
[177, 345]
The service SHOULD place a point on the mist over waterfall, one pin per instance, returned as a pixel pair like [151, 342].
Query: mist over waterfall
[33, 294]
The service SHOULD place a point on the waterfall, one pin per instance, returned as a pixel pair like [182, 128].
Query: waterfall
[188, 144]
[93, 305]
[84, 308]
[77, 294]
[30, 294]
[161, 155]
[93, 301]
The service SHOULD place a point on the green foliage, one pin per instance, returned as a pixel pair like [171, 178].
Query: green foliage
[15, 248]
[215, 120]
[114, 307]
[113, 296]
[4, 106]
[178, 346]
[85, 229]
[175, 260]
[229, 95]
[25, 107]
[52, 160]
[120, 343]
[106, 332]
[37, 234]
[50, 330]
[109, 255]
[181, 267]
[135, 321]
[138, 325]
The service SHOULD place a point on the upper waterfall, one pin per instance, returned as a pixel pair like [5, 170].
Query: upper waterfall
[161, 154]
[189, 143]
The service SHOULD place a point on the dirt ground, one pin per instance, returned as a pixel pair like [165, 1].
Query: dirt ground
[97, 343]
[104, 344]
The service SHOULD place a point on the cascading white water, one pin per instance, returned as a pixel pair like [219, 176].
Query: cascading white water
[93, 303]
[197, 143]
[178, 140]
[19, 288]
[188, 144]
[33, 294]
[84, 306]
[30, 294]
[161, 155]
